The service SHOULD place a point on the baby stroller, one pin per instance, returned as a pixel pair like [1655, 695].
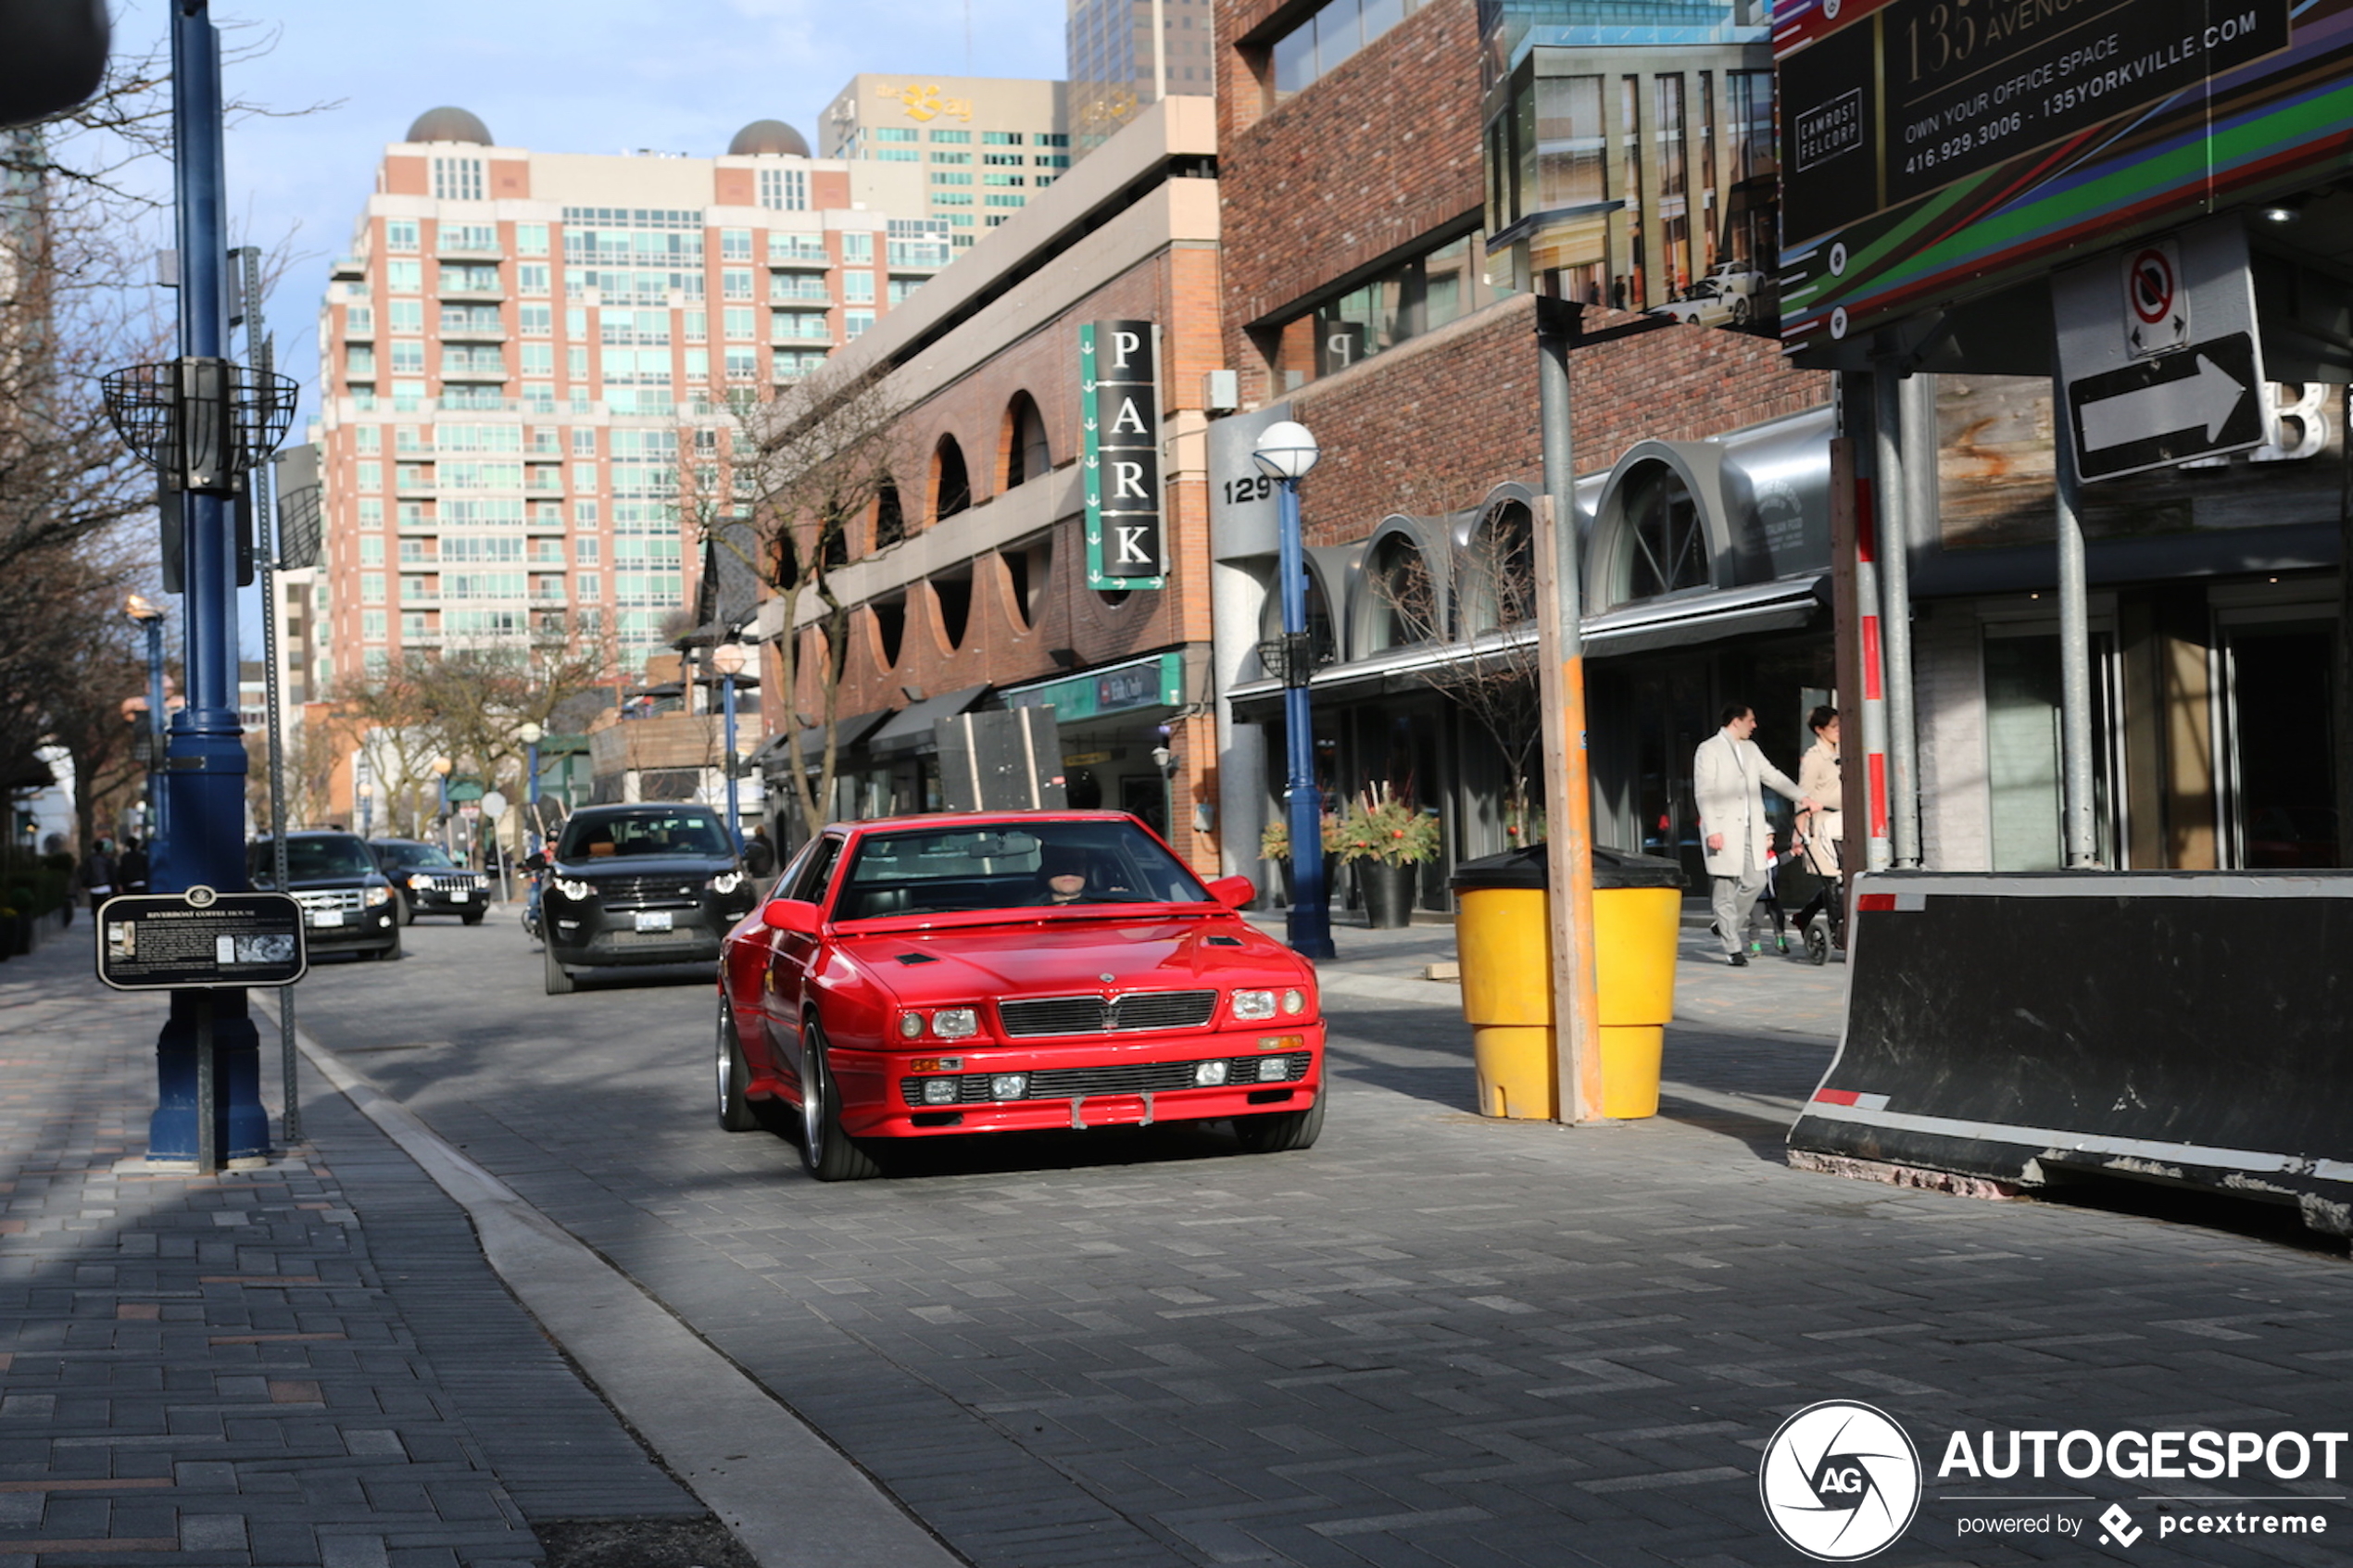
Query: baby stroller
[1823, 920]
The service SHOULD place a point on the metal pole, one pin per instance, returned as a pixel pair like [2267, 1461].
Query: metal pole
[727, 689]
[1856, 414]
[1309, 920]
[2079, 834]
[156, 740]
[205, 765]
[1896, 617]
[266, 544]
[207, 1136]
[1568, 806]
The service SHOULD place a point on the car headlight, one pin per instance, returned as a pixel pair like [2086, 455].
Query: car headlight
[911, 1024]
[573, 889]
[378, 896]
[727, 881]
[1253, 1004]
[1294, 1001]
[419, 879]
[955, 1023]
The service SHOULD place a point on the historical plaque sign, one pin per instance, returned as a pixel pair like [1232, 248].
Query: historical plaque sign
[200, 938]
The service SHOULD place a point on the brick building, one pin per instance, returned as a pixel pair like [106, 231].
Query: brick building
[971, 587]
[1395, 188]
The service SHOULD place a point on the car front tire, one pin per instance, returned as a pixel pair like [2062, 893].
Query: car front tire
[736, 1114]
[1284, 1131]
[559, 981]
[473, 917]
[827, 1152]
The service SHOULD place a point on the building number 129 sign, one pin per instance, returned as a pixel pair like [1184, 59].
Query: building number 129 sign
[1119, 414]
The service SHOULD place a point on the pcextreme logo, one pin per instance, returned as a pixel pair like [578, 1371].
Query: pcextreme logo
[1840, 1480]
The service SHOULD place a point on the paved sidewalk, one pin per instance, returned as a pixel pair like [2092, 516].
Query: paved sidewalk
[309, 1364]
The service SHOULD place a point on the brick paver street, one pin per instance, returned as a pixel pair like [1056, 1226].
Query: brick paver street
[1434, 1338]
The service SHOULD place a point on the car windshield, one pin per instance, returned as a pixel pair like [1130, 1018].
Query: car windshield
[315, 860]
[416, 857]
[654, 829]
[1001, 866]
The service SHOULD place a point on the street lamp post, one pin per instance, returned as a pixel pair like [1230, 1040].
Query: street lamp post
[531, 735]
[150, 618]
[441, 766]
[729, 662]
[1284, 453]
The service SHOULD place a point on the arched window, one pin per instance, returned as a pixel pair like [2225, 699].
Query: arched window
[890, 521]
[1666, 548]
[952, 591]
[1029, 564]
[951, 489]
[1322, 636]
[890, 627]
[1026, 454]
[1495, 587]
[1401, 600]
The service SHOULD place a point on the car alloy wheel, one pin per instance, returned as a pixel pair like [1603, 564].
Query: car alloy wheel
[829, 1154]
[736, 1114]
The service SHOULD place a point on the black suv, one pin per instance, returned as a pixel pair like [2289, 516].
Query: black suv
[430, 882]
[644, 883]
[348, 905]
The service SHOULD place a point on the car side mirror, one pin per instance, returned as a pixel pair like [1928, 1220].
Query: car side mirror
[789, 914]
[534, 863]
[1233, 891]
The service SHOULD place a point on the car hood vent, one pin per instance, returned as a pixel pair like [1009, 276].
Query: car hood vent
[1223, 942]
[916, 958]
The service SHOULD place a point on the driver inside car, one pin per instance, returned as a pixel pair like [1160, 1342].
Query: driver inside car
[1062, 877]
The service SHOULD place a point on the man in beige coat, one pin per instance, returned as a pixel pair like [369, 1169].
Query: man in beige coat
[1728, 771]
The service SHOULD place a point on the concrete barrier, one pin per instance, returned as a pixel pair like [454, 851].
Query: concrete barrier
[2021, 1029]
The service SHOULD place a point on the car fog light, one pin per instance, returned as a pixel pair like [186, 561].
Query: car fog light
[910, 1025]
[377, 896]
[955, 1023]
[1209, 1074]
[1272, 1069]
[1294, 1001]
[940, 1091]
[1008, 1085]
[1253, 1004]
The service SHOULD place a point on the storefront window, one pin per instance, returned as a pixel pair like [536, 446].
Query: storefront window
[1665, 540]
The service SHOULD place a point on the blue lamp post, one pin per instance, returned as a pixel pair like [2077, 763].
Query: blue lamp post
[531, 735]
[1284, 453]
[730, 661]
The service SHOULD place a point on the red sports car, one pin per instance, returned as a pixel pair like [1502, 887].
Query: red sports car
[1010, 972]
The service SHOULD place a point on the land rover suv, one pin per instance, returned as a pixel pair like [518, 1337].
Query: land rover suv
[648, 882]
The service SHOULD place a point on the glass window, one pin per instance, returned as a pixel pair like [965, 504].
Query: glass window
[734, 282]
[949, 177]
[734, 245]
[784, 190]
[857, 247]
[1572, 142]
[951, 157]
[898, 133]
[951, 138]
[457, 179]
[531, 239]
[855, 322]
[400, 234]
[1000, 138]
[736, 323]
[1027, 867]
[405, 277]
[858, 287]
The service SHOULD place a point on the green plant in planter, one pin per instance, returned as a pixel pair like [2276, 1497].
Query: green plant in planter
[1385, 827]
[1274, 843]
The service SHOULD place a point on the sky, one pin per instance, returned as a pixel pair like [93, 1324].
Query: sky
[589, 76]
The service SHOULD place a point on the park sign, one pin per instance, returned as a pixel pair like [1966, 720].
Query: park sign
[1119, 421]
[1937, 149]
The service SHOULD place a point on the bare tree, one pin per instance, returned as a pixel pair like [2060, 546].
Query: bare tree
[815, 466]
[1476, 608]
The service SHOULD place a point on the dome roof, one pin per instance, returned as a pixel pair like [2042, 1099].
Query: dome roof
[449, 124]
[772, 136]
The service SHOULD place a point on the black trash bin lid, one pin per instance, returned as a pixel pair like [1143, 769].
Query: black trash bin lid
[1531, 867]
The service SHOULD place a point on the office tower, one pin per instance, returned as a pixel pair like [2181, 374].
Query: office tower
[1125, 54]
[984, 144]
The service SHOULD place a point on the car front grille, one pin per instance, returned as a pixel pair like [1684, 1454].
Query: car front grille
[1131, 1078]
[1093, 1015]
[451, 882]
[333, 899]
[646, 892]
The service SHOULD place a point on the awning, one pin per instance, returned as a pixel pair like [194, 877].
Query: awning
[1685, 621]
[770, 758]
[909, 732]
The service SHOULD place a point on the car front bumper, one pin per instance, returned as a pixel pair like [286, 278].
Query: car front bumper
[448, 900]
[590, 937]
[1097, 1082]
[361, 930]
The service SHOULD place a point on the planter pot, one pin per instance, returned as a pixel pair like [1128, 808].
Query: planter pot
[1389, 892]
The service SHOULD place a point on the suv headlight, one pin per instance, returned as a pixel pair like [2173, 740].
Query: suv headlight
[573, 889]
[1253, 1004]
[727, 881]
[378, 896]
[419, 879]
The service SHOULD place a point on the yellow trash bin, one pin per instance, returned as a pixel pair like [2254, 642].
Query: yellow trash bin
[1503, 933]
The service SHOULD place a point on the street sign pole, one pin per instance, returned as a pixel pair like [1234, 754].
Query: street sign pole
[1895, 615]
[2080, 837]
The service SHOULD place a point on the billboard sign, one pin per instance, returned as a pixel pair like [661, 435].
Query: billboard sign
[1934, 149]
[1119, 417]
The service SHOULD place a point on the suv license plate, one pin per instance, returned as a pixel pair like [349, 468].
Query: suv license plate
[326, 917]
[653, 920]
[460, 894]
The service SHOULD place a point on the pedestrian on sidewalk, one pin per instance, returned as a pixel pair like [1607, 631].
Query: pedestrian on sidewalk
[133, 869]
[1728, 772]
[1818, 775]
[98, 873]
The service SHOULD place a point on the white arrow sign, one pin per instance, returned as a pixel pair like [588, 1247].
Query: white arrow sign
[2205, 401]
